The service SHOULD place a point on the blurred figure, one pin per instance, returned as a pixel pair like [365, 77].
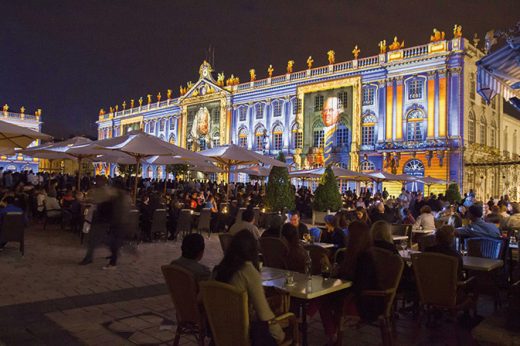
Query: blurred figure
[146, 217]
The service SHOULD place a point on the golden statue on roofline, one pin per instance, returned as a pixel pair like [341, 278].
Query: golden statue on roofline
[132, 102]
[310, 61]
[382, 47]
[252, 74]
[101, 112]
[290, 65]
[5, 108]
[270, 70]
[356, 52]
[159, 97]
[169, 93]
[396, 45]
[331, 56]
[140, 101]
[437, 36]
[457, 31]
[220, 79]
[124, 105]
[149, 98]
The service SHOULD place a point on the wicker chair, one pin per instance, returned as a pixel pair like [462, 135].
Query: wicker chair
[225, 240]
[159, 230]
[13, 229]
[317, 254]
[274, 252]
[389, 269]
[205, 221]
[426, 241]
[184, 223]
[51, 214]
[315, 233]
[484, 247]
[227, 310]
[437, 282]
[183, 290]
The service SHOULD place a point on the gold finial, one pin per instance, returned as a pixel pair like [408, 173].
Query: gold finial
[132, 102]
[310, 61]
[5, 108]
[116, 108]
[22, 110]
[476, 40]
[382, 47]
[437, 36]
[331, 56]
[124, 105]
[190, 85]
[159, 97]
[290, 65]
[181, 90]
[149, 98]
[356, 52]
[220, 79]
[101, 112]
[270, 70]
[396, 45]
[111, 110]
[457, 31]
[252, 75]
[169, 93]
[38, 112]
[140, 101]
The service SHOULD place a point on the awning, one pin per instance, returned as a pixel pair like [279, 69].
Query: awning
[499, 73]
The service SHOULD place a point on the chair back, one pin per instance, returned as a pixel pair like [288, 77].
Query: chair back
[183, 290]
[184, 222]
[225, 240]
[204, 220]
[13, 227]
[401, 230]
[317, 253]
[315, 233]
[389, 269]
[239, 214]
[436, 278]
[159, 222]
[426, 241]
[274, 252]
[484, 247]
[227, 312]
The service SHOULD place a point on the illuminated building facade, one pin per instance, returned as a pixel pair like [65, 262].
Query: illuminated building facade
[406, 110]
[19, 162]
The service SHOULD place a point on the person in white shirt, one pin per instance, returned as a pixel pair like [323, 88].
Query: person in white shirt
[247, 222]
[425, 220]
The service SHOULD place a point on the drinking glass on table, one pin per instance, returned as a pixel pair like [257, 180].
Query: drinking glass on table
[403, 245]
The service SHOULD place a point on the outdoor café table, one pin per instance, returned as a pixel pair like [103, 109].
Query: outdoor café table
[469, 262]
[323, 245]
[299, 290]
[423, 231]
[399, 237]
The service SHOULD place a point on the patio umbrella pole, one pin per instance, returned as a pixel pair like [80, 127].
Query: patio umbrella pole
[79, 174]
[138, 159]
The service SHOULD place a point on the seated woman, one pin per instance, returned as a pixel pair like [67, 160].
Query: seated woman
[382, 235]
[445, 238]
[362, 215]
[425, 220]
[333, 234]
[239, 268]
[297, 255]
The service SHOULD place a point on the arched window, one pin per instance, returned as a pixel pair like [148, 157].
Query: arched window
[242, 137]
[483, 130]
[367, 166]
[493, 134]
[216, 139]
[297, 136]
[415, 125]
[342, 135]
[149, 172]
[159, 172]
[318, 134]
[414, 168]
[260, 134]
[172, 139]
[368, 123]
[278, 137]
[471, 127]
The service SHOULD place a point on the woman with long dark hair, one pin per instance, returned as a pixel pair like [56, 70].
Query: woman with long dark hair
[240, 268]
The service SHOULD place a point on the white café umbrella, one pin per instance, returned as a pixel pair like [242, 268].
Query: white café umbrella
[258, 171]
[386, 176]
[339, 172]
[140, 146]
[232, 155]
[13, 136]
[429, 181]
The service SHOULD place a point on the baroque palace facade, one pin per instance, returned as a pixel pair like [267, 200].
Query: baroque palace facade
[406, 110]
[18, 162]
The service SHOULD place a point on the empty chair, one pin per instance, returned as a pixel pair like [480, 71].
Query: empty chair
[13, 229]
[204, 221]
[52, 212]
[159, 230]
[225, 240]
[315, 233]
[426, 241]
[402, 230]
[484, 247]
[274, 252]
[228, 314]
[183, 291]
[317, 254]
[184, 223]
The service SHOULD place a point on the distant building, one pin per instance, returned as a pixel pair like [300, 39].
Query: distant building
[19, 162]
[406, 110]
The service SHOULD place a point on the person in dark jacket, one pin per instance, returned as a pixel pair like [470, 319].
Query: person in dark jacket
[444, 238]
[382, 234]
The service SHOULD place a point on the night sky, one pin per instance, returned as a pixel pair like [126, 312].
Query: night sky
[72, 58]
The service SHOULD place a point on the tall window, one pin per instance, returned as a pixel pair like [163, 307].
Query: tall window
[318, 135]
[172, 124]
[414, 125]
[296, 105]
[162, 125]
[515, 143]
[297, 136]
[342, 135]
[151, 127]
[483, 130]
[472, 86]
[494, 103]
[277, 108]
[415, 88]
[278, 137]
[414, 168]
[368, 123]
[493, 134]
[216, 139]
[215, 117]
[259, 138]
[318, 103]
[342, 99]
[506, 144]
[368, 95]
[242, 137]
[367, 166]
[259, 108]
[242, 113]
[471, 128]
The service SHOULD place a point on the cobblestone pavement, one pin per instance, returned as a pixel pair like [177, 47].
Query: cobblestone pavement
[46, 298]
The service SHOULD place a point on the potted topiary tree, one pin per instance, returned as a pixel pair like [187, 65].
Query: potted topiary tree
[326, 197]
[453, 193]
[279, 193]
